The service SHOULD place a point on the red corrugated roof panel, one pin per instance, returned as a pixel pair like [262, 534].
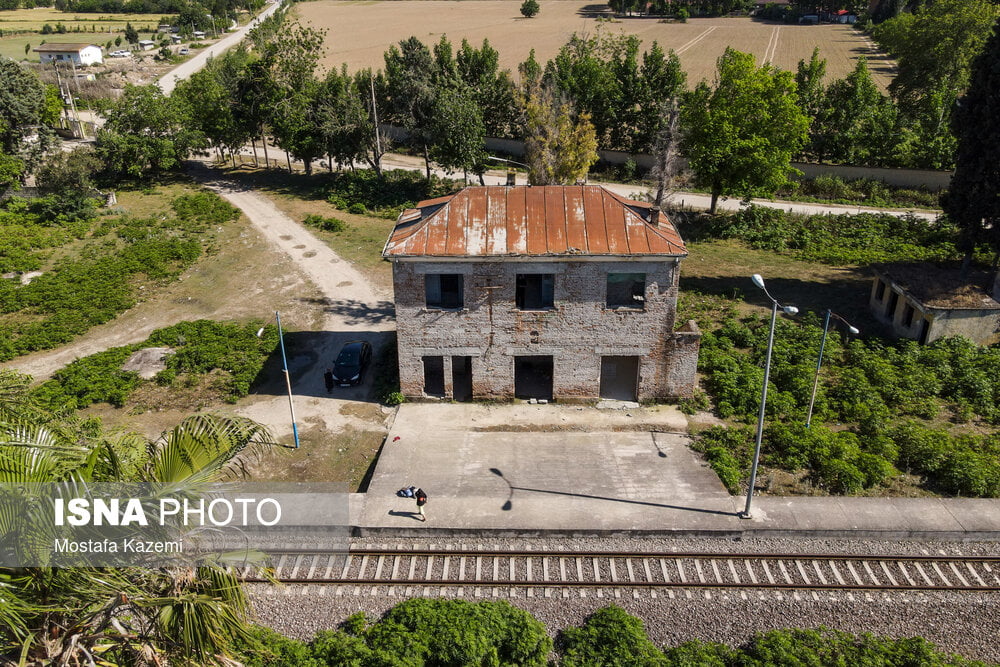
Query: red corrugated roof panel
[525, 220]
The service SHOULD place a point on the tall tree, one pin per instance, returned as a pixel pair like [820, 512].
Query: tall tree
[741, 135]
[457, 131]
[856, 123]
[560, 145]
[973, 198]
[146, 133]
[410, 74]
[22, 104]
[661, 83]
[494, 90]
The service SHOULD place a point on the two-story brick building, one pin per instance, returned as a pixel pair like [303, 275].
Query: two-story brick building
[554, 292]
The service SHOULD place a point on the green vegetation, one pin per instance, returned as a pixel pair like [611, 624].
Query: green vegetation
[200, 348]
[529, 8]
[860, 192]
[188, 615]
[456, 632]
[103, 275]
[363, 192]
[860, 238]
[885, 394]
[327, 224]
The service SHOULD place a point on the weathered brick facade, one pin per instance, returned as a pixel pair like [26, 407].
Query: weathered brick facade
[577, 332]
[635, 344]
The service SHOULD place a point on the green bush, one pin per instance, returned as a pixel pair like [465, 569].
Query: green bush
[205, 207]
[457, 632]
[329, 224]
[874, 387]
[385, 198]
[263, 647]
[200, 347]
[860, 238]
[610, 637]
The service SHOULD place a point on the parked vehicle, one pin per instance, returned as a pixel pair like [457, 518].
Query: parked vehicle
[121, 53]
[184, 51]
[354, 358]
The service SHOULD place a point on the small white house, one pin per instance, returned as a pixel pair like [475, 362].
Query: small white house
[147, 44]
[199, 34]
[80, 54]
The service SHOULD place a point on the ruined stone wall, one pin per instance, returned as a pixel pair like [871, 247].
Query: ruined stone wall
[577, 332]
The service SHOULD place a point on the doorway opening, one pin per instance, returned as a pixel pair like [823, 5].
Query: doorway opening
[620, 378]
[461, 378]
[533, 377]
[434, 376]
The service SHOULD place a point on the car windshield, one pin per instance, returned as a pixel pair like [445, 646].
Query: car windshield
[349, 356]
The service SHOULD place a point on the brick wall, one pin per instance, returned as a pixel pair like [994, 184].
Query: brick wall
[577, 332]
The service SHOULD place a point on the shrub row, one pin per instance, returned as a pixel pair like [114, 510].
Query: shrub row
[863, 191]
[423, 632]
[860, 238]
[200, 347]
[879, 390]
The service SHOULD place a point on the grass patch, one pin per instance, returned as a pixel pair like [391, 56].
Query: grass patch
[230, 353]
[94, 267]
[344, 456]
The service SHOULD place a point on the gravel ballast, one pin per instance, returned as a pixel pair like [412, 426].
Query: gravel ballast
[959, 622]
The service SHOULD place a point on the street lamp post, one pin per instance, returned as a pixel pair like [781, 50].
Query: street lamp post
[791, 310]
[819, 360]
[288, 377]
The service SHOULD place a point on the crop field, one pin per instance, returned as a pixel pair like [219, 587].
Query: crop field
[21, 27]
[359, 32]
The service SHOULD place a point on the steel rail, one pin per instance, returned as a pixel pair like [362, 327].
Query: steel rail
[956, 576]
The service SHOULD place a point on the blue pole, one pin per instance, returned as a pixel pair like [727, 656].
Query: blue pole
[288, 379]
[819, 362]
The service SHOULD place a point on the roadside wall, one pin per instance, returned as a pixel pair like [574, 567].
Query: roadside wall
[900, 178]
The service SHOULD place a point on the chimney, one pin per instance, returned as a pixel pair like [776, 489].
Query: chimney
[654, 216]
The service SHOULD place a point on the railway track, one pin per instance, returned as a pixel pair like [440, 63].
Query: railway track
[554, 570]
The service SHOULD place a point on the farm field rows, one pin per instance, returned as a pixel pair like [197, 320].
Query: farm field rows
[360, 32]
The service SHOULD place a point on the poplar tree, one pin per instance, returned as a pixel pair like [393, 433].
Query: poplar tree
[973, 198]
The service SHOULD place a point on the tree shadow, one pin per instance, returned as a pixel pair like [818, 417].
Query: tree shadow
[355, 312]
[595, 10]
[309, 354]
[847, 295]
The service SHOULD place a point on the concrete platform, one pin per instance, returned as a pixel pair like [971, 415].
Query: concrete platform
[565, 470]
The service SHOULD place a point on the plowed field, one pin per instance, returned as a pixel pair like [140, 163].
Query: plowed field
[360, 32]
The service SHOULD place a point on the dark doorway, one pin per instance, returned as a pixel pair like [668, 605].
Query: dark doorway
[925, 327]
[890, 309]
[434, 376]
[533, 377]
[620, 378]
[461, 378]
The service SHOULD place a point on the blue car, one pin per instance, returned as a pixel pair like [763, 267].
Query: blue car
[354, 358]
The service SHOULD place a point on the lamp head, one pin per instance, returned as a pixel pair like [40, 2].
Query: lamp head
[791, 310]
[260, 332]
[758, 280]
[853, 330]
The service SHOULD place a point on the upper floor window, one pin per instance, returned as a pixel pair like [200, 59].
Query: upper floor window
[444, 290]
[534, 291]
[627, 290]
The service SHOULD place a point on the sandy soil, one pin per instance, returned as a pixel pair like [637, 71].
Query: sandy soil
[359, 33]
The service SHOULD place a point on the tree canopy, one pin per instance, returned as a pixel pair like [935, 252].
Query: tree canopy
[741, 135]
[973, 198]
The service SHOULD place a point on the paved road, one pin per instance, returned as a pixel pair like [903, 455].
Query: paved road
[169, 80]
[692, 200]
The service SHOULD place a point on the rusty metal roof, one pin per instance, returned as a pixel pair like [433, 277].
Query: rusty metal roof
[497, 221]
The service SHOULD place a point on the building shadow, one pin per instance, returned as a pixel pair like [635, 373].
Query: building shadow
[309, 354]
[354, 311]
